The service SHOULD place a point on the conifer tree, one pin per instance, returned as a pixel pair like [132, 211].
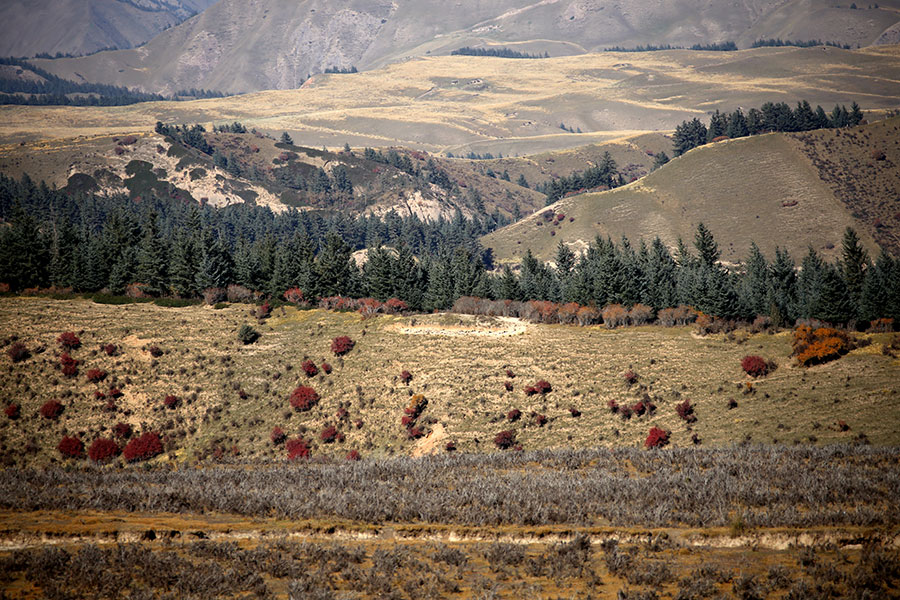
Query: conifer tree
[854, 263]
[706, 246]
[756, 285]
[152, 265]
[782, 295]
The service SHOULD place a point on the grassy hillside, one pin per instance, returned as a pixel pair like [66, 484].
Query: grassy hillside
[273, 44]
[461, 103]
[761, 189]
[231, 396]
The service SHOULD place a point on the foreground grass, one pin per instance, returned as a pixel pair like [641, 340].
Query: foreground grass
[232, 396]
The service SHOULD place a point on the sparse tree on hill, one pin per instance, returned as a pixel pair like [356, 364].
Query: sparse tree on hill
[286, 139]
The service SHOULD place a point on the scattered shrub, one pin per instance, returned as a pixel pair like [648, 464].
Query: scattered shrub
[539, 420]
[122, 430]
[69, 365]
[755, 366]
[278, 435]
[294, 295]
[353, 455]
[18, 352]
[13, 411]
[330, 434]
[657, 438]
[71, 447]
[415, 433]
[450, 446]
[530, 390]
[111, 349]
[51, 409]
[395, 305]
[326, 368]
[247, 335]
[297, 448]
[505, 439]
[885, 325]
[143, 447]
[310, 368]
[416, 405]
[614, 315]
[263, 310]
[171, 402]
[114, 393]
[508, 386]
[510, 374]
[69, 340]
[212, 296]
[630, 377]
[96, 375]
[686, 411]
[406, 376]
[304, 398]
[238, 293]
[613, 406]
[103, 449]
[155, 351]
[514, 415]
[574, 412]
[732, 403]
[640, 314]
[342, 345]
[543, 387]
[812, 347]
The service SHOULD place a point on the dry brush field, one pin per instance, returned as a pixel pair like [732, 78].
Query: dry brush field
[783, 486]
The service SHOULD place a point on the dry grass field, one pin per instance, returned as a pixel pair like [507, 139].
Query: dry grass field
[751, 500]
[232, 395]
[495, 105]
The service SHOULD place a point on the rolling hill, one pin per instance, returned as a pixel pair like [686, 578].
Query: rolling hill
[511, 106]
[242, 46]
[765, 189]
[35, 26]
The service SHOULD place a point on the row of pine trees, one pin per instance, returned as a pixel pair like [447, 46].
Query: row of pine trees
[93, 243]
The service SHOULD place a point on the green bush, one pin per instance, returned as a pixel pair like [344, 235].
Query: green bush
[247, 334]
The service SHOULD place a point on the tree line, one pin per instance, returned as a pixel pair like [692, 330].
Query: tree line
[778, 43]
[771, 116]
[496, 52]
[92, 243]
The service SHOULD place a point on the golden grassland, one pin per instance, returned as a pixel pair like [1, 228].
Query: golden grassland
[504, 105]
[458, 362]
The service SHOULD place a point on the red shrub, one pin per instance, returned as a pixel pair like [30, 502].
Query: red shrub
[111, 349]
[505, 439]
[407, 421]
[171, 401]
[122, 430]
[342, 345]
[508, 385]
[103, 449]
[71, 447]
[450, 446]
[98, 395]
[514, 415]
[18, 352]
[368, 307]
[144, 447]
[405, 377]
[510, 374]
[353, 455]
[13, 411]
[686, 411]
[530, 390]
[540, 420]
[326, 368]
[329, 434]
[359, 424]
[69, 365]
[51, 409]
[96, 375]
[395, 305]
[294, 295]
[155, 351]
[263, 310]
[69, 340]
[414, 433]
[613, 406]
[657, 438]
[639, 409]
[625, 412]
[278, 435]
[342, 413]
[630, 377]
[310, 368]
[755, 366]
[542, 387]
[574, 412]
[297, 448]
[114, 393]
[304, 398]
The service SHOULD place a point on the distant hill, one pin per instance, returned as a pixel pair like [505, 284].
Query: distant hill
[764, 188]
[76, 27]
[464, 104]
[250, 45]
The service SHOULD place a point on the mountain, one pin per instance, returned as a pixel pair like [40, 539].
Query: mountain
[788, 190]
[77, 27]
[250, 45]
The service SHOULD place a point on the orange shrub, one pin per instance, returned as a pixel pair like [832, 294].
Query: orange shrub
[816, 346]
[615, 315]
